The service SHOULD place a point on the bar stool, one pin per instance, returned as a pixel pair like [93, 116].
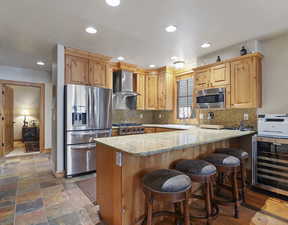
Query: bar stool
[204, 173]
[227, 165]
[242, 156]
[168, 186]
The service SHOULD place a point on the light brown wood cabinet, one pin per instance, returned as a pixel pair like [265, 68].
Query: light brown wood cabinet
[245, 78]
[151, 99]
[87, 68]
[220, 75]
[76, 70]
[240, 76]
[165, 90]
[97, 73]
[139, 87]
[202, 78]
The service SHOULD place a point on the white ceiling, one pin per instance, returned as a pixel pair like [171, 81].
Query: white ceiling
[29, 29]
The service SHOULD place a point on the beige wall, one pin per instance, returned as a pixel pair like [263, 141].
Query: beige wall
[275, 75]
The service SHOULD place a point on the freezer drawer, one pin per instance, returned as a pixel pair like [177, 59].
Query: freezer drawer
[80, 137]
[80, 159]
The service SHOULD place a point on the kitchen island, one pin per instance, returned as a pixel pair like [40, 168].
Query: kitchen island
[122, 161]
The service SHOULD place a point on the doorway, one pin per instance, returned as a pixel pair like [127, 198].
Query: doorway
[22, 118]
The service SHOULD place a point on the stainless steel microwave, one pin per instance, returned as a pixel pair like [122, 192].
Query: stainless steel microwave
[211, 98]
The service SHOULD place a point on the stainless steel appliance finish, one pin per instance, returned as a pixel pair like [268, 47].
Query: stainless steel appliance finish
[123, 83]
[270, 164]
[88, 112]
[211, 98]
[129, 129]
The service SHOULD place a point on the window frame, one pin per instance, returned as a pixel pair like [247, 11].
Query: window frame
[178, 79]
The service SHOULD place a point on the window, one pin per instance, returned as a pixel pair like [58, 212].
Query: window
[185, 99]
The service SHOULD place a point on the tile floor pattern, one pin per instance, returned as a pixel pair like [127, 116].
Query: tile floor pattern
[30, 194]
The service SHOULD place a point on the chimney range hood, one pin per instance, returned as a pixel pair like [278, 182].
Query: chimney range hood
[123, 83]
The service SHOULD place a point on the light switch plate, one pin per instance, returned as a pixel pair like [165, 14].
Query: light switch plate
[119, 159]
[246, 116]
[201, 116]
[141, 116]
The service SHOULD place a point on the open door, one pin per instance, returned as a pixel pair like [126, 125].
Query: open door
[8, 110]
[1, 122]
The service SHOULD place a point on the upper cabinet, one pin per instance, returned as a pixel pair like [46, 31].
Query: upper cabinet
[139, 87]
[202, 78]
[220, 75]
[87, 68]
[97, 73]
[246, 83]
[76, 70]
[151, 99]
[165, 89]
[240, 76]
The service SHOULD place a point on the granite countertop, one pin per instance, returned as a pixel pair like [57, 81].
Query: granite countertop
[154, 143]
[171, 126]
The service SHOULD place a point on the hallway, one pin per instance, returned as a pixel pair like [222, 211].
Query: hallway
[30, 194]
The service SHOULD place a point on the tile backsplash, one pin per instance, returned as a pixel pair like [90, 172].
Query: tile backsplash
[227, 117]
[230, 117]
[132, 116]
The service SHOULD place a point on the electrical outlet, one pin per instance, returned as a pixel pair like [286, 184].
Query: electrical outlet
[141, 116]
[246, 116]
[201, 116]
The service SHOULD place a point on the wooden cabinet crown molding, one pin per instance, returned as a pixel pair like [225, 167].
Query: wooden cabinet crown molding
[257, 54]
[87, 55]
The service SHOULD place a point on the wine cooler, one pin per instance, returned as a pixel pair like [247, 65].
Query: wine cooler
[270, 164]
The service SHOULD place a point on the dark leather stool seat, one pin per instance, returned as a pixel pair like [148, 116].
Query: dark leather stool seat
[169, 186]
[222, 160]
[238, 153]
[202, 172]
[242, 156]
[196, 167]
[166, 180]
[227, 165]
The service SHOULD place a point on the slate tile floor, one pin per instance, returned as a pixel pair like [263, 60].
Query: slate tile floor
[30, 194]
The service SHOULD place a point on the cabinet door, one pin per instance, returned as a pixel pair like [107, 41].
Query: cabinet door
[76, 70]
[139, 87]
[97, 73]
[243, 84]
[162, 91]
[165, 91]
[151, 92]
[220, 75]
[202, 78]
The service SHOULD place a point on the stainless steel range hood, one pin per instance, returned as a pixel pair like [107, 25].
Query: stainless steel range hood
[123, 83]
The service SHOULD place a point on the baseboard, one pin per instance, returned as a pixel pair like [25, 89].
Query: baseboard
[59, 174]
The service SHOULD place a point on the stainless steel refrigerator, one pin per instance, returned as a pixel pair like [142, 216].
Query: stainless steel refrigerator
[88, 112]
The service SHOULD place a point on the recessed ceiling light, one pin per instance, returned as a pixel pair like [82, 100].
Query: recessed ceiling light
[113, 3]
[152, 66]
[171, 28]
[206, 45]
[40, 63]
[120, 58]
[91, 30]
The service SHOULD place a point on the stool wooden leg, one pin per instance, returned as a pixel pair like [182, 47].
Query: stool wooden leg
[235, 193]
[149, 201]
[208, 203]
[243, 181]
[186, 210]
